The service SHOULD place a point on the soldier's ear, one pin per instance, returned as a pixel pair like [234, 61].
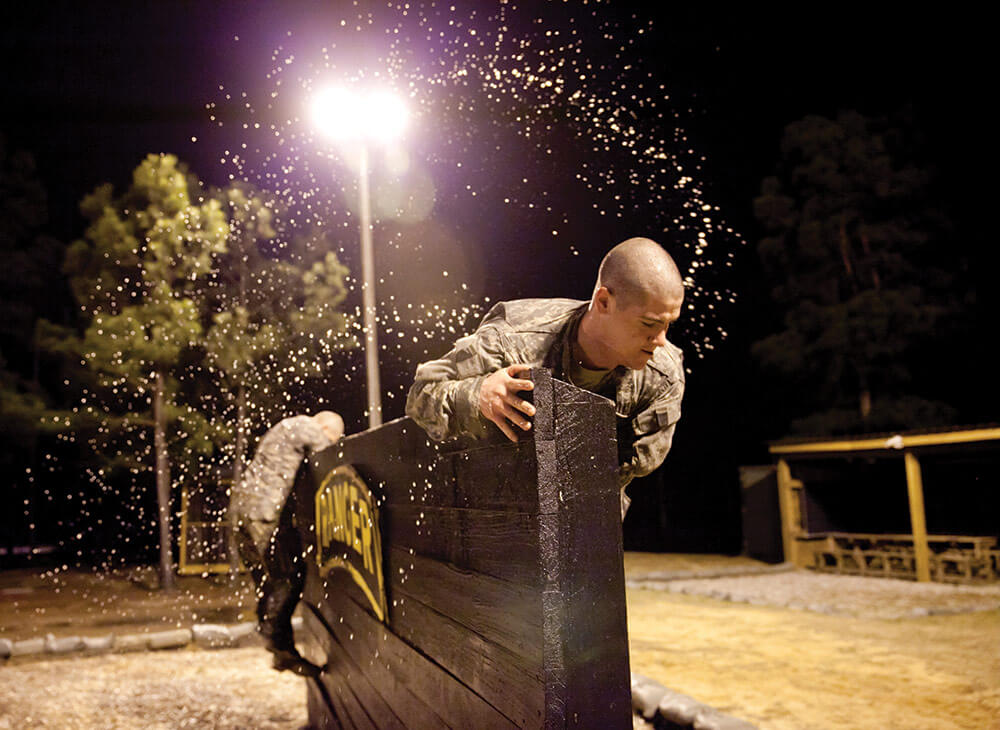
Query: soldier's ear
[602, 299]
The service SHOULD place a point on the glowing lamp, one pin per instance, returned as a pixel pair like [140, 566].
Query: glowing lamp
[357, 119]
[345, 114]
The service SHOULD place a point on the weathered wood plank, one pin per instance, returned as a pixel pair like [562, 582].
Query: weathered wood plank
[344, 675]
[503, 613]
[319, 706]
[397, 461]
[426, 697]
[501, 477]
[503, 679]
[332, 694]
[354, 679]
[357, 632]
[499, 544]
[338, 685]
[590, 572]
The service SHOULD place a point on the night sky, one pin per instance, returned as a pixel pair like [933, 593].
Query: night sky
[545, 132]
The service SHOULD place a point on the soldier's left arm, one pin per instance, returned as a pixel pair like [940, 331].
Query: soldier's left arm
[653, 428]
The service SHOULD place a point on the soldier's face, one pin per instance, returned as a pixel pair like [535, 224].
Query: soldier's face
[635, 330]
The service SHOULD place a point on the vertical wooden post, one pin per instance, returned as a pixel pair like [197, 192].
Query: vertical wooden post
[167, 579]
[918, 523]
[789, 513]
[182, 568]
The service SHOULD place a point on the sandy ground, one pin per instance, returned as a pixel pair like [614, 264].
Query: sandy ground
[80, 603]
[787, 669]
[781, 668]
[232, 688]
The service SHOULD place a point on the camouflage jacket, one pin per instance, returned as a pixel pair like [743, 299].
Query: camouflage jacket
[265, 485]
[444, 398]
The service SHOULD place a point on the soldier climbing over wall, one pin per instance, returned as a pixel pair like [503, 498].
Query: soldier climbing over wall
[614, 345]
[267, 539]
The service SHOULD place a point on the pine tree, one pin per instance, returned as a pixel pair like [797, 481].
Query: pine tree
[29, 261]
[134, 275]
[276, 322]
[199, 326]
[29, 289]
[853, 232]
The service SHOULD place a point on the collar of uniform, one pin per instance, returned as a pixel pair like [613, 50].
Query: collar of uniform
[623, 379]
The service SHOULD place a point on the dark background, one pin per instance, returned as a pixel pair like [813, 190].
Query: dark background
[90, 88]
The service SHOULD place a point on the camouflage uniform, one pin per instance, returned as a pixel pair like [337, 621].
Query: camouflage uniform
[265, 534]
[265, 485]
[444, 398]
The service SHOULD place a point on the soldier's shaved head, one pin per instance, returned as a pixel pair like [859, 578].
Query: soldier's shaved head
[639, 268]
[331, 423]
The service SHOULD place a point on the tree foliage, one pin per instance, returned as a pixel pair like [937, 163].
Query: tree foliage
[275, 319]
[854, 257]
[29, 261]
[195, 322]
[136, 275]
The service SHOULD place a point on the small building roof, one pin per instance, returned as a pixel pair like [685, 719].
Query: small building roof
[887, 443]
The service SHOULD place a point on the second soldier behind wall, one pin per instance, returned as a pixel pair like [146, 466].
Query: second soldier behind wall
[265, 535]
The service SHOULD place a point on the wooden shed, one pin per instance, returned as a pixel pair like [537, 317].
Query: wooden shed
[967, 465]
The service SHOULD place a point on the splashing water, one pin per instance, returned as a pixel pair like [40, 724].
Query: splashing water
[540, 136]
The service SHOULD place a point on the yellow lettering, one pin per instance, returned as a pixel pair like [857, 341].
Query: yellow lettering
[321, 518]
[355, 540]
[324, 519]
[345, 520]
[366, 537]
[343, 515]
[339, 506]
[331, 517]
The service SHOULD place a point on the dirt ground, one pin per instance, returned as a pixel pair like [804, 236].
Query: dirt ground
[778, 667]
[81, 603]
[230, 688]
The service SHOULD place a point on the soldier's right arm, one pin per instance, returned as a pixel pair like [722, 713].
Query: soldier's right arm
[444, 397]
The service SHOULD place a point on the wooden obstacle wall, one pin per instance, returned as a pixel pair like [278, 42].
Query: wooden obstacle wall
[503, 578]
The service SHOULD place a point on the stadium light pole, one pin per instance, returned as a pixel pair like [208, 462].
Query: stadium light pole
[357, 120]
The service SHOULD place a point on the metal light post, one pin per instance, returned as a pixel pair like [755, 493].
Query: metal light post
[358, 120]
[368, 297]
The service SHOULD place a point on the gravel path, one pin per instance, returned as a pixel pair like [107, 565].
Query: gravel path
[229, 689]
[885, 598]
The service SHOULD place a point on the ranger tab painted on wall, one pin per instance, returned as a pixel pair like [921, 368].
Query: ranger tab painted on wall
[347, 534]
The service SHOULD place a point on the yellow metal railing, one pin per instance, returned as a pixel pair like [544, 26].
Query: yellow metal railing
[213, 540]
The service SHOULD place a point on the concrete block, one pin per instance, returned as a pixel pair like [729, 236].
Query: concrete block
[212, 636]
[27, 646]
[62, 645]
[98, 643]
[679, 708]
[174, 639]
[711, 719]
[646, 695]
[131, 642]
[6, 647]
[245, 634]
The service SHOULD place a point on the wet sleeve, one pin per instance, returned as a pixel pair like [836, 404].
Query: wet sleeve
[444, 397]
[653, 428]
